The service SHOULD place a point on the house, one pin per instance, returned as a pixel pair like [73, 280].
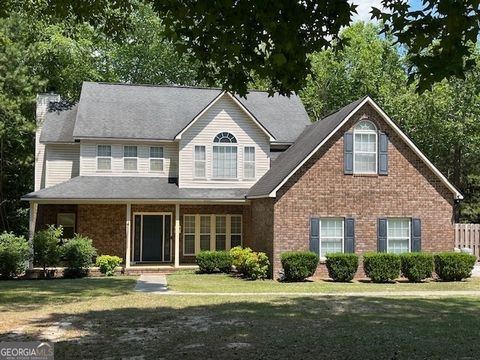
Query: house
[155, 174]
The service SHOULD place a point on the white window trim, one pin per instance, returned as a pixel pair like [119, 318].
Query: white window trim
[254, 162]
[401, 238]
[204, 233]
[203, 161]
[371, 132]
[323, 258]
[97, 157]
[129, 157]
[155, 158]
[194, 235]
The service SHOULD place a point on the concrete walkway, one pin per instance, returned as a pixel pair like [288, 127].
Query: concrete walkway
[156, 284]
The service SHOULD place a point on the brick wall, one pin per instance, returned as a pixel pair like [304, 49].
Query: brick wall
[321, 189]
[47, 214]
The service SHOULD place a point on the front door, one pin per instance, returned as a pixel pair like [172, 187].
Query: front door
[152, 237]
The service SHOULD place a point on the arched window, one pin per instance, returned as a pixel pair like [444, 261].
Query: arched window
[365, 148]
[225, 156]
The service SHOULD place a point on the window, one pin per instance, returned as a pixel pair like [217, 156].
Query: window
[130, 158]
[225, 156]
[249, 162]
[331, 236]
[365, 148]
[156, 158]
[220, 233]
[398, 235]
[200, 161]
[67, 221]
[236, 230]
[205, 221]
[189, 235]
[104, 157]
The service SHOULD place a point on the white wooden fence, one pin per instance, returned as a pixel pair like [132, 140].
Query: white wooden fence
[468, 236]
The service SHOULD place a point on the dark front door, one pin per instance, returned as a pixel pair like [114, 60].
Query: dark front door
[152, 237]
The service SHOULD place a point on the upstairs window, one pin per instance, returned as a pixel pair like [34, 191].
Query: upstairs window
[249, 162]
[104, 157]
[225, 156]
[130, 158]
[365, 148]
[156, 158]
[200, 161]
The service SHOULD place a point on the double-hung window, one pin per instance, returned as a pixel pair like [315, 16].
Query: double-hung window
[130, 158]
[398, 235]
[189, 235]
[225, 156]
[220, 232]
[205, 225]
[156, 158]
[236, 230]
[365, 148]
[67, 222]
[200, 161]
[249, 162]
[331, 236]
[104, 157]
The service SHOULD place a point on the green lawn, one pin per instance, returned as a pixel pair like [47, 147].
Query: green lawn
[106, 319]
[188, 281]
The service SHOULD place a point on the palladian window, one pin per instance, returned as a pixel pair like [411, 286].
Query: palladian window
[225, 156]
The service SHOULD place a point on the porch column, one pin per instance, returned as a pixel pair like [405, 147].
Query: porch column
[177, 235]
[128, 233]
[31, 228]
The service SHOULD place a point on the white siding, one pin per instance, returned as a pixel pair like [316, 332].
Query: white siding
[224, 115]
[62, 163]
[88, 159]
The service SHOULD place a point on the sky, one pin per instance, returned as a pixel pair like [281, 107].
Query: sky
[364, 7]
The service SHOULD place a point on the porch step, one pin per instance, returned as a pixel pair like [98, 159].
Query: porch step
[160, 270]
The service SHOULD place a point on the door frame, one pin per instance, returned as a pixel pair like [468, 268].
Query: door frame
[142, 213]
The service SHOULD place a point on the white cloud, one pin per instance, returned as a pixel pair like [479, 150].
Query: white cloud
[364, 7]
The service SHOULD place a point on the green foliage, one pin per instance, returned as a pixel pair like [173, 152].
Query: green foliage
[256, 266]
[77, 254]
[212, 261]
[108, 263]
[453, 266]
[342, 266]
[299, 265]
[382, 267]
[417, 266]
[46, 247]
[239, 256]
[14, 254]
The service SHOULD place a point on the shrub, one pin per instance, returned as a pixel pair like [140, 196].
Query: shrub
[107, 264]
[239, 255]
[78, 256]
[256, 266]
[342, 267]
[14, 254]
[211, 261]
[417, 266]
[298, 265]
[46, 247]
[382, 267]
[452, 266]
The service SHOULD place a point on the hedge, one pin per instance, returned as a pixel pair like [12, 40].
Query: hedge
[382, 267]
[299, 265]
[342, 267]
[417, 266]
[212, 261]
[453, 266]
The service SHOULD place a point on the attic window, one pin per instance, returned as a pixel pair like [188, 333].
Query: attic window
[224, 137]
[365, 148]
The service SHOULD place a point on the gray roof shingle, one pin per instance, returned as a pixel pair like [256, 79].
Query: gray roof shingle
[58, 125]
[311, 137]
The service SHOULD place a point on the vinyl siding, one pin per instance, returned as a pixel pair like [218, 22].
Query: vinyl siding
[62, 163]
[224, 115]
[88, 159]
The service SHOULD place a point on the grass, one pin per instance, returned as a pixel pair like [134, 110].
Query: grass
[104, 318]
[188, 281]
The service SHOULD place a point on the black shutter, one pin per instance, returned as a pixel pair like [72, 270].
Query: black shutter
[382, 154]
[314, 235]
[349, 242]
[348, 153]
[382, 235]
[416, 235]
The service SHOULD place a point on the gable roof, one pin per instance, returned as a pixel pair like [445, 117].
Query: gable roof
[314, 137]
[58, 125]
[143, 112]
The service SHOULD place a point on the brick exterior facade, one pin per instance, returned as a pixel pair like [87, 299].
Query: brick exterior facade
[320, 189]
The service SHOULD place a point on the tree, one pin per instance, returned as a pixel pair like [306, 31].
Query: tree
[46, 247]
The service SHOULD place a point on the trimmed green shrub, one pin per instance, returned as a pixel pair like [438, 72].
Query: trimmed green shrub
[256, 266]
[299, 265]
[342, 267]
[417, 266]
[108, 263]
[47, 247]
[453, 266]
[212, 261]
[77, 254]
[14, 254]
[239, 255]
[382, 267]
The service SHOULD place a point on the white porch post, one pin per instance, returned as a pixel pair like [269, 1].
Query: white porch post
[177, 235]
[128, 233]
[31, 228]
